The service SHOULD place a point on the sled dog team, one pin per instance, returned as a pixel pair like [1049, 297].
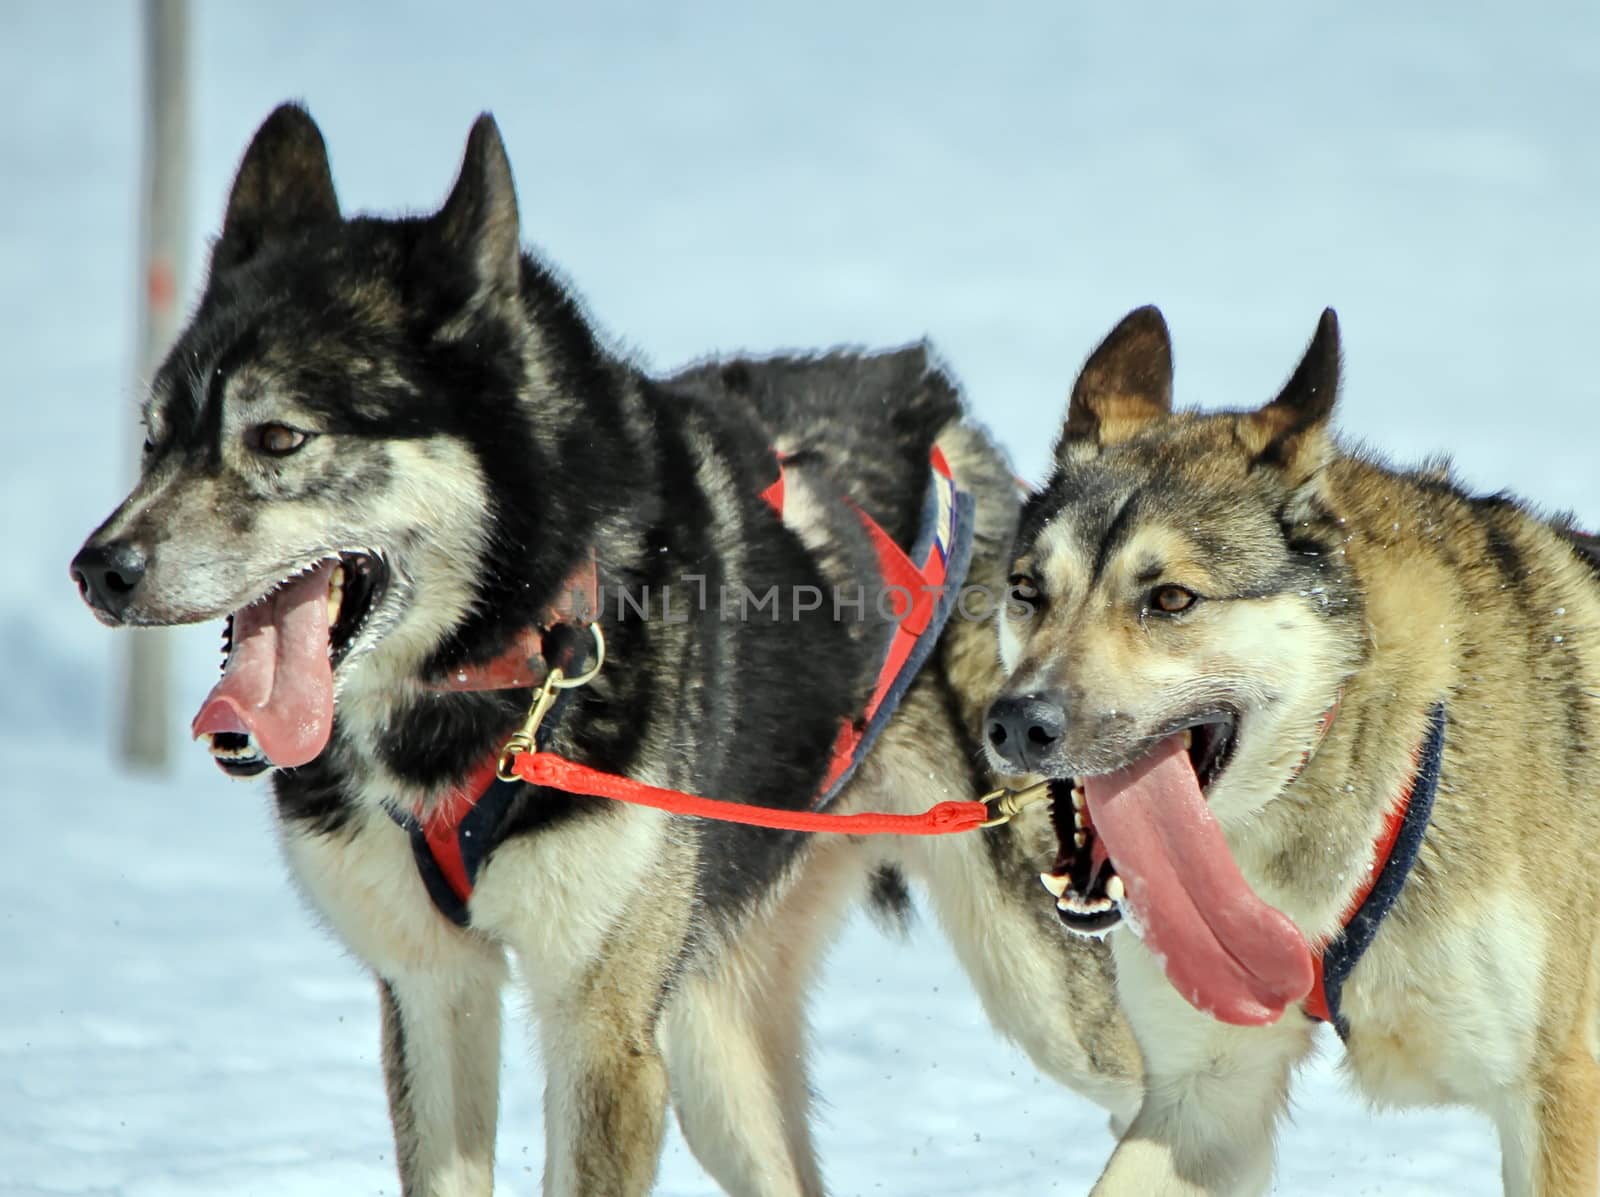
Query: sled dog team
[1320, 736]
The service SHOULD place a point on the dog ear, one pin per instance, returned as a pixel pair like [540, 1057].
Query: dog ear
[1126, 383]
[479, 220]
[283, 185]
[1291, 432]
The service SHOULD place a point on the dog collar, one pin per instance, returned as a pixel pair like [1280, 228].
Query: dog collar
[1394, 856]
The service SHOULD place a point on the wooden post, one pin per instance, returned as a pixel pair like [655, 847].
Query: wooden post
[145, 717]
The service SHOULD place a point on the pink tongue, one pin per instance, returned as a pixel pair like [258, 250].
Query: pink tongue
[278, 683]
[1225, 950]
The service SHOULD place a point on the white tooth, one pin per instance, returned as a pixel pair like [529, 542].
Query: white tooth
[1115, 889]
[1188, 738]
[1080, 838]
[1078, 798]
[1078, 820]
[1057, 885]
[335, 595]
[1076, 904]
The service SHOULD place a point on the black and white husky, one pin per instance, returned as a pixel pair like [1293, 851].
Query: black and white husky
[383, 450]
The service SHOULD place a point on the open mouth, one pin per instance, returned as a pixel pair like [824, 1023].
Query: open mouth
[1141, 844]
[274, 703]
[1090, 897]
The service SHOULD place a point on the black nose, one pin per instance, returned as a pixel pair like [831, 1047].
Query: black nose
[1023, 730]
[108, 574]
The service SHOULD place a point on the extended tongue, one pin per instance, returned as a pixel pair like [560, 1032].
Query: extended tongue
[1224, 949]
[278, 683]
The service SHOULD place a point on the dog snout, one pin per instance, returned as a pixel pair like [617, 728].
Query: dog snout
[108, 574]
[1023, 729]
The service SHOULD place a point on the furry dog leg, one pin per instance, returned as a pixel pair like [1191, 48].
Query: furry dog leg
[605, 1102]
[599, 974]
[1213, 1093]
[1569, 1127]
[740, 1089]
[441, 1066]
[1550, 1137]
[736, 1038]
[438, 991]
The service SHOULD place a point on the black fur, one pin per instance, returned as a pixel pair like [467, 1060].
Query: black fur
[889, 901]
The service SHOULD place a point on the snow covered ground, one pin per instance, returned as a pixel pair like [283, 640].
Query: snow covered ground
[1005, 179]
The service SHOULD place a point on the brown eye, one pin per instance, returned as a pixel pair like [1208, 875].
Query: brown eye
[275, 440]
[1169, 600]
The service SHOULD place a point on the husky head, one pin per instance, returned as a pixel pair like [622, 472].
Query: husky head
[349, 450]
[1179, 625]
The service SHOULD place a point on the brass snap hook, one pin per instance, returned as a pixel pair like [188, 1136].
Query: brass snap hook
[1004, 805]
[525, 737]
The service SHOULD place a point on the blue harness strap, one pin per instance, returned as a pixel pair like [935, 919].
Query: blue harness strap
[944, 549]
[1361, 928]
[455, 841]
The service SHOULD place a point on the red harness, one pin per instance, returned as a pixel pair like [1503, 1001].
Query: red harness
[455, 835]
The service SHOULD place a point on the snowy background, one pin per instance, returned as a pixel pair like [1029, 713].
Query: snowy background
[1007, 181]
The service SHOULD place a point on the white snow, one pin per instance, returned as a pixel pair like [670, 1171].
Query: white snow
[1005, 179]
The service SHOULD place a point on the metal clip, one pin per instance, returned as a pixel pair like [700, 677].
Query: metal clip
[526, 737]
[1005, 805]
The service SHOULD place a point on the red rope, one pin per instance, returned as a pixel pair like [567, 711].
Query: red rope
[547, 769]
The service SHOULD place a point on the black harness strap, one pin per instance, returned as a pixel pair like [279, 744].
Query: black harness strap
[474, 836]
[1342, 955]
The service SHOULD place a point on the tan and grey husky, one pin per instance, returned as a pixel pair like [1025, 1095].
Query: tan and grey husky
[386, 452]
[1325, 738]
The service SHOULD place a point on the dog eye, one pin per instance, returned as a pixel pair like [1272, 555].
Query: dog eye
[1169, 600]
[275, 440]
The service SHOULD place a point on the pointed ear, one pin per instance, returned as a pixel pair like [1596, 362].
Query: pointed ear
[1291, 432]
[1126, 383]
[479, 220]
[283, 185]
